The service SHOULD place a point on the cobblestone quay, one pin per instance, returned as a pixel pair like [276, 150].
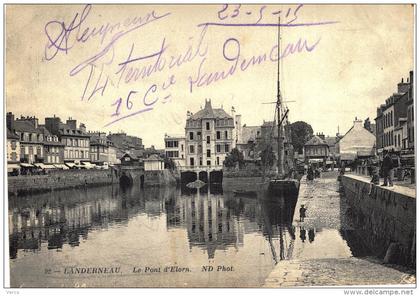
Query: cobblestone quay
[331, 250]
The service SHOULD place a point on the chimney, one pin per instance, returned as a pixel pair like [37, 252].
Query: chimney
[357, 123]
[34, 121]
[403, 87]
[82, 127]
[366, 124]
[52, 124]
[208, 104]
[10, 121]
[71, 123]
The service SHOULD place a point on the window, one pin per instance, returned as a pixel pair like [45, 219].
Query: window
[217, 148]
[201, 161]
[191, 161]
[227, 148]
[208, 126]
[208, 139]
[191, 148]
[208, 163]
[217, 161]
[218, 135]
[13, 144]
[191, 136]
[182, 147]
[199, 135]
[172, 153]
[226, 134]
[208, 153]
[14, 156]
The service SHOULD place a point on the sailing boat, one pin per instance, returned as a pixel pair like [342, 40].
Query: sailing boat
[284, 184]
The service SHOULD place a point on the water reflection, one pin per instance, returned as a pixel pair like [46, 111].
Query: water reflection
[212, 220]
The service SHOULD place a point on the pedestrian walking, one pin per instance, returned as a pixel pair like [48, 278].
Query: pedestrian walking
[310, 175]
[387, 168]
[302, 213]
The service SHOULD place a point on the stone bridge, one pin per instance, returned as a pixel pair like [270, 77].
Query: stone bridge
[207, 174]
[130, 175]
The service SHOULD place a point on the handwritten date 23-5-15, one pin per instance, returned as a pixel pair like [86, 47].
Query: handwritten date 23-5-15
[230, 12]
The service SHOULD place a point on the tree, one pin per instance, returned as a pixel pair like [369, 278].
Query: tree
[234, 158]
[267, 156]
[301, 133]
[169, 163]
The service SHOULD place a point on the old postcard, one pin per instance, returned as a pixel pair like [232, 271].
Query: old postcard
[210, 145]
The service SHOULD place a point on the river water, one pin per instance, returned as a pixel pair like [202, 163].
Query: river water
[152, 237]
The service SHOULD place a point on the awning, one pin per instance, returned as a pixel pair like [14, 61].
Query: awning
[70, 164]
[49, 166]
[61, 166]
[40, 165]
[315, 160]
[12, 166]
[88, 165]
[347, 156]
[26, 165]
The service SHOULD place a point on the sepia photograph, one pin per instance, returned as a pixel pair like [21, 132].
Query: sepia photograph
[209, 146]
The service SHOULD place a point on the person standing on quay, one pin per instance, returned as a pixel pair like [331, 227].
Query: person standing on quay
[387, 166]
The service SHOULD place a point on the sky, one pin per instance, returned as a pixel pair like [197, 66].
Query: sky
[140, 68]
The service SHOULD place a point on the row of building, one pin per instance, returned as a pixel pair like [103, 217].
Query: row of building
[55, 143]
[357, 143]
[211, 134]
[395, 120]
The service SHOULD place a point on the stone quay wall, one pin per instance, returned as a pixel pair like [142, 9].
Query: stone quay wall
[386, 218]
[159, 178]
[57, 180]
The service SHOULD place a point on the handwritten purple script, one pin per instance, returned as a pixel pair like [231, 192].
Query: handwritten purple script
[105, 71]
[63, 37]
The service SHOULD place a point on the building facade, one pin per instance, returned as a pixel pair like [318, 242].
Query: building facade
[395, 120]
[76, 141]
[98, 147]
[316, 149]
[154, 163]
[209, 136]
[13, 148]
[31, 139]
[175, 149]
[53, 148]
[356, 143]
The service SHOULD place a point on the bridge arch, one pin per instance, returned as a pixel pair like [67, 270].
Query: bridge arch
[126, 180]
[188, 176]
[216, 177]
[203, 176]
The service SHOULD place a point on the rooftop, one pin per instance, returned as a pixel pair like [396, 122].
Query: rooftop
[315, 140]
[210, 113]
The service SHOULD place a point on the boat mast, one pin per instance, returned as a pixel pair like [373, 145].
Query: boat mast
[280, 157]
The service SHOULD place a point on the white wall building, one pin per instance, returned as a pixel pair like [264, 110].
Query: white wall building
[210, 135]
[175, 149]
